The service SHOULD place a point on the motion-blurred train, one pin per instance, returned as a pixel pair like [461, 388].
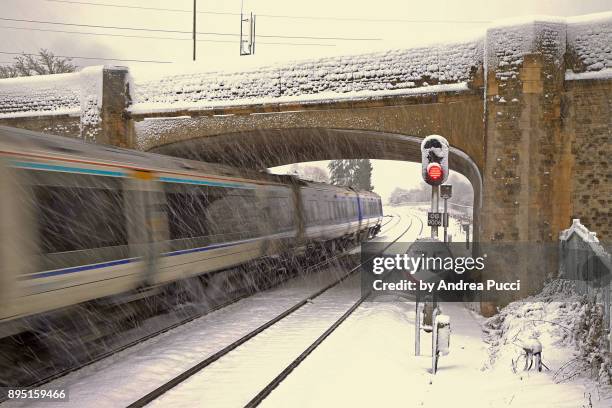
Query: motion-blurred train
[80, 221]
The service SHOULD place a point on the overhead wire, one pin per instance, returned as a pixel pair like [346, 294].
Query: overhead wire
[90, 58]
[279, 16]
[151, 37]
[159, 30]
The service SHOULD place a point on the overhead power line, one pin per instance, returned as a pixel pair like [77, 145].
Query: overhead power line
[88, 3]
[91, 33]
[280, 16]
[91, 58]
[153, 37]
[158, 30]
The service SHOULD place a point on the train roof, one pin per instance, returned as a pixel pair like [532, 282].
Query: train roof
[26, 141]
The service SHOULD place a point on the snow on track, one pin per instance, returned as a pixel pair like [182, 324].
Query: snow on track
[124, 377]
[234, 379]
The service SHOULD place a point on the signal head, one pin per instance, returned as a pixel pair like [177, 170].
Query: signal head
[434, 159]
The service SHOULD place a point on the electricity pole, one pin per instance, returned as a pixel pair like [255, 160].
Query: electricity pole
[194, 30]
[247, 47]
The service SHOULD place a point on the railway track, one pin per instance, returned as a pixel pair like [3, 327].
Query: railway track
[99, 357]
[298, 360]
[200, 368]
[64, 372]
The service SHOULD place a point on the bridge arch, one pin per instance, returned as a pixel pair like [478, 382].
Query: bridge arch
[276, 147]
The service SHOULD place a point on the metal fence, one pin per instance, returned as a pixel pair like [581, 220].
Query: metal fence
[585, 261]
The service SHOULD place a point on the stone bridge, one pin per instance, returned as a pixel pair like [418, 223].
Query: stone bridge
[526, 108]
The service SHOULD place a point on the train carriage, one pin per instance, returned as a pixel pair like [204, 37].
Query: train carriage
[82, 221]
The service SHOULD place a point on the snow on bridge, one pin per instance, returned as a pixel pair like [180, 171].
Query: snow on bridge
[584, 40]
[382, 73]
[395, 72]
[59, 94]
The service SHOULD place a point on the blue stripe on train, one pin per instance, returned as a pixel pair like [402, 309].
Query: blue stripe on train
[96, 172]
[204, 182]
[66, 169]
[75, 269]
[207, 248]
[78, 269]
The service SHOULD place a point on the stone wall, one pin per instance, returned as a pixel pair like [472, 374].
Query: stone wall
[588, 124]
[90, 104]
[62, 125]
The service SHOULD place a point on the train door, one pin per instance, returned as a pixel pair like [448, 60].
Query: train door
[147, 222]
[264, 202]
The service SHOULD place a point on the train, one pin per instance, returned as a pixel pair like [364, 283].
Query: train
[81, 221]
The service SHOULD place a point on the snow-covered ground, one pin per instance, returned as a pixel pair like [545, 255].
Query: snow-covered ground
[368, 361]
[128, 375]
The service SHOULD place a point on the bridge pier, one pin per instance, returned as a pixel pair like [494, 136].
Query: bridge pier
[116, 128]
[529, 171]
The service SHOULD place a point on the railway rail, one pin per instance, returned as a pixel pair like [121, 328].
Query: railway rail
[310, 269]
[298, 360]
[198, 314]
[202, 365]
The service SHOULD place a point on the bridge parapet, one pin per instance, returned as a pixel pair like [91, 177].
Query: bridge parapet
[349, 77]
[89, 104]
[588, 43]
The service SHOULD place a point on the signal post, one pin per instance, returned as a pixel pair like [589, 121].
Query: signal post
[434, 164]
[434, 169]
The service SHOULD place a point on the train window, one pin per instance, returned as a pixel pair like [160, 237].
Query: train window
[288, 219]
[186, 211]
[211, 214]
[235, 216]
[280, 210]
[320, 211]
[78, 212]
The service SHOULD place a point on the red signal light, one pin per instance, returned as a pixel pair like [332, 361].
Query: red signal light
[434, 172]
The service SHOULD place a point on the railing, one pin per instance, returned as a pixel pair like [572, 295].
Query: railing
[585, 261]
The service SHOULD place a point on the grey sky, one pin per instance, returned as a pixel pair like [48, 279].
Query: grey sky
[392, 34]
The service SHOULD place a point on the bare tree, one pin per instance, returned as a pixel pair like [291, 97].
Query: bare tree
[42, 64]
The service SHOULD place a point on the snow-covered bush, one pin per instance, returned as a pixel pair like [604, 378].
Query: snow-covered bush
[569, 326]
